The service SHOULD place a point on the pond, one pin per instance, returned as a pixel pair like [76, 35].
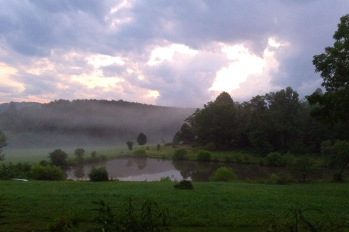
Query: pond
[150, 169]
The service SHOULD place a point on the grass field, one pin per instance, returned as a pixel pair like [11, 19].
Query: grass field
[31, 206]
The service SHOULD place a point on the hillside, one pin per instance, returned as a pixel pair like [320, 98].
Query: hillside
[88, 122]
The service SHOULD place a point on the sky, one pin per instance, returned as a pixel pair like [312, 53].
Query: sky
[181, 53]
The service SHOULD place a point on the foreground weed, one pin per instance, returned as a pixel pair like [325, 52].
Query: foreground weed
[152, 218]
[106, 217]
[63, 223]
[300, 221]
[2, 211]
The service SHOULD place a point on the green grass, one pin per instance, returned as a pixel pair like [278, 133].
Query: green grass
[209, 207]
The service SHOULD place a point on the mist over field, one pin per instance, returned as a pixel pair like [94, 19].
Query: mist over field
[88, 123]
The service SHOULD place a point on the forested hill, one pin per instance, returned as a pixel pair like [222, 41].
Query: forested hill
[88, 122]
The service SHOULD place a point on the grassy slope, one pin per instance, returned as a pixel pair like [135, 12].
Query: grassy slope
[232, 205]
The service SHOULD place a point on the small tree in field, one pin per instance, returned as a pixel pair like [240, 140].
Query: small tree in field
[141, 139]
[2, 144]
[129, 145]
[79, 154]
[59, 158]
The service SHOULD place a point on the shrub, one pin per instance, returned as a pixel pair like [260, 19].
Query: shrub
[275, 179]
[274, 159]
[99, 174]
[183, 184]
[210, 146]
[19, 170]
[179, 154]
[223, 174]
[204, 156]
[237, 159]
[39, 172]
[140, 153]
[165, 179]
[289, 159]
[158, 147]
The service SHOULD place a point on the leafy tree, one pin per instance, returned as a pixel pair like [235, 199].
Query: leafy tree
[129, 145]
[333, 65]
[59, 158]
[79, 154]
[274, 122]
[141, 139]
[184, 135]
[215, 122]
[2, 144]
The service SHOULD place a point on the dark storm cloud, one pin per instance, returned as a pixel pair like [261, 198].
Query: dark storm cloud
[56, 30]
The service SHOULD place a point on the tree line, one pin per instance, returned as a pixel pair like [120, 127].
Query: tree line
[114, 120]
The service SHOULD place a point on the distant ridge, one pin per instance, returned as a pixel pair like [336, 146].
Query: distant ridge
[89, 121]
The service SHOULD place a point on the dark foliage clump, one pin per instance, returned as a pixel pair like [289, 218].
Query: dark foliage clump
[184, 184]
[179, 154]
[99, 174]
[39, 172]
[204, 156]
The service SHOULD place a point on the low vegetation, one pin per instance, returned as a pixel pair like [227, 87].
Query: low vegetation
[210, 206]
[223, 174]
[99, 174]
[184, 184]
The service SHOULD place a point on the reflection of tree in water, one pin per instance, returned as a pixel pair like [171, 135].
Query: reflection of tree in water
[203, 171]
[140, 162]
[197, 171]
[129, 163]
[79, 171]
[186, 168]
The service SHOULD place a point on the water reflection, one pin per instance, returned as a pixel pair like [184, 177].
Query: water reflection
[148, 169]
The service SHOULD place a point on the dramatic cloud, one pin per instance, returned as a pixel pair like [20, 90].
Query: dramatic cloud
[175, 53]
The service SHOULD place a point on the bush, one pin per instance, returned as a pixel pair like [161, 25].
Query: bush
[39, 172]
[223, 174]
[99, 174]
[165, 179]
[19, 170]
[210, 146]
[140, 153]
[204, 156]
[183, 184]
[274, 159]
[179, 154]
[275, 179]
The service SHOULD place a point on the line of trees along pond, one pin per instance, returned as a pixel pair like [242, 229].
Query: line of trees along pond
[277, 121]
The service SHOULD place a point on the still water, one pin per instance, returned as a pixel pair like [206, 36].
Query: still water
[149, 169]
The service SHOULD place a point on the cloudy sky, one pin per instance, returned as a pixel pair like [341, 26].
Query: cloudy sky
[163, 52]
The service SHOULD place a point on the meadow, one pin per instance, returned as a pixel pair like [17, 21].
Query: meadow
[33, 205]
